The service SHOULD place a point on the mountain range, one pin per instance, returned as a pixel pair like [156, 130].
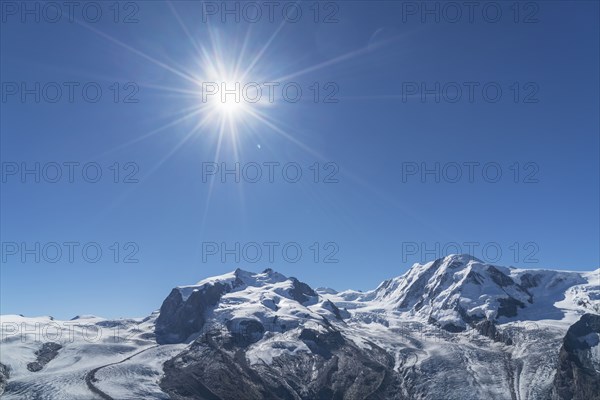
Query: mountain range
[452, 328]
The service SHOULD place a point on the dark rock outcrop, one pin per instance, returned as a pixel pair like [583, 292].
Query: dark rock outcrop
[335, 310]
[45, 354]
[509, 306]
[245, 332]
[301, 292]
[209, 371]
[181, 318]
[530, 280]
[4, 375]
[488, 329]
[499, 278]
[322, 343]
[577, 376]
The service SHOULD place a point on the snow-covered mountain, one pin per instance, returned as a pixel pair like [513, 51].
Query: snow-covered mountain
[241, 301]
[459, 290]
[453, 328]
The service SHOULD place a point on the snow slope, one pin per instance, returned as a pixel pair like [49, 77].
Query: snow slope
[87, 342]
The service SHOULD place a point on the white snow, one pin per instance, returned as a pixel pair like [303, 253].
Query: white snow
[88, 342]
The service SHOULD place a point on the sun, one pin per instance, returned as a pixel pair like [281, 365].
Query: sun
[225, 100]
[230, 109]
[229, 92]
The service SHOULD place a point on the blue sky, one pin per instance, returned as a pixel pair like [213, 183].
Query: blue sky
[372, 209]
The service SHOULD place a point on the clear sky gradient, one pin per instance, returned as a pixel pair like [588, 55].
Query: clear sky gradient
[379, 122]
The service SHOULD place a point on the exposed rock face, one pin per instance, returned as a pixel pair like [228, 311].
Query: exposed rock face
[4, 375]
[335, 310]
[488, 328]
[181, 318]
[301, 292]
[213, 369]
[529, 280]
[245, 332]
[45, 354]
[509, 307]
[578, 373]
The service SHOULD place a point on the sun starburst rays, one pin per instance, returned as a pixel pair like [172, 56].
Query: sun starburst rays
[215, 94]
[220, 86]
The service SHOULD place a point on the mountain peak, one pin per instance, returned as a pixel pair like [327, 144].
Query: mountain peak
[451, 261]
[463, 258]
[237, 277]
[459, 290]
[267, 299]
